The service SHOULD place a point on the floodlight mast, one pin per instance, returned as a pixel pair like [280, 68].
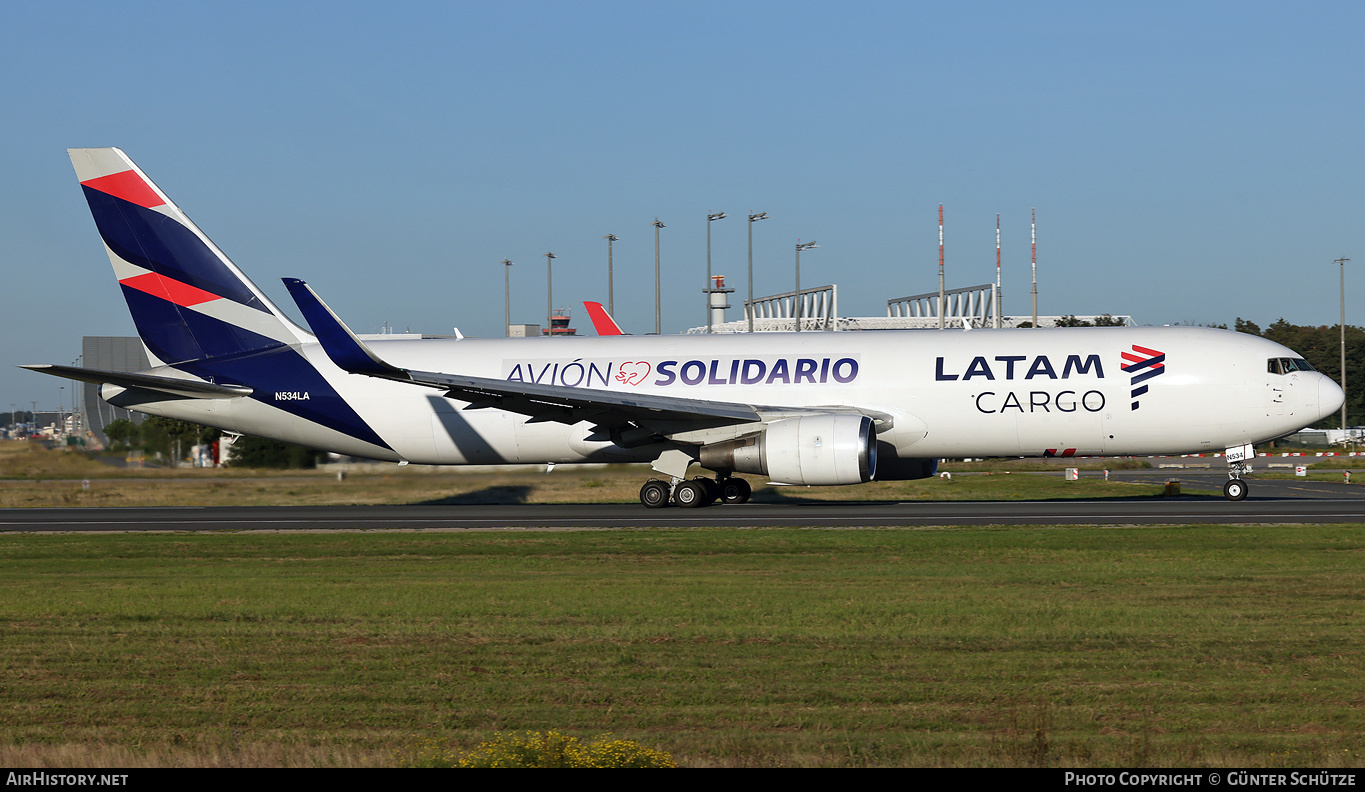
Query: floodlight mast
[549, 294]
[710, 284]
[611, 293]
[749, 306]
[506, 298]
[658, 322]
[800, 246]
[1342, 261]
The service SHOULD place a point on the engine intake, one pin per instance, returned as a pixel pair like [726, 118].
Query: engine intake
[821, 449]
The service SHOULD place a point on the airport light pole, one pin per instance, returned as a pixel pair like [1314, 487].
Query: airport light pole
[749, 306]
[710, 218]
[77, 398]
[611, 293]
[1342, 261]
[658, 322]
[800, 246]
[506, 298]
[549, 294]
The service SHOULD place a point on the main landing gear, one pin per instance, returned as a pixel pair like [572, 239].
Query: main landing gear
[694, 493]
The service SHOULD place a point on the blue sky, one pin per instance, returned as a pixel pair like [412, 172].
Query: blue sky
[1188, 162]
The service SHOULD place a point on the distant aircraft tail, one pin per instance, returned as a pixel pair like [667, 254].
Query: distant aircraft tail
[602, 321]
[188, 300]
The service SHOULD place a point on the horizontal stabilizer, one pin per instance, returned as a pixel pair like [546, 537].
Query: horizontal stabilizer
[173, 385]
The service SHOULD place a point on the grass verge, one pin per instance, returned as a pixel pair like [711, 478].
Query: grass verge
[33, 477]
[1207, 645]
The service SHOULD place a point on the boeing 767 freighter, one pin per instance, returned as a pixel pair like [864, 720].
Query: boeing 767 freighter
[825, 408]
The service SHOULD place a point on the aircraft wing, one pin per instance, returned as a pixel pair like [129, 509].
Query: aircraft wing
[607, 409]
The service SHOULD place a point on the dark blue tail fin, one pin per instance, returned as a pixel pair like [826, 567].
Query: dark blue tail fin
[188, 300]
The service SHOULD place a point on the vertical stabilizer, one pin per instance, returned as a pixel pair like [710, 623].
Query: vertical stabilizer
[188, 300]
[602, 321]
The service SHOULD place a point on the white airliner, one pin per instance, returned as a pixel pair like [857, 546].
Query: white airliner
[800, 408]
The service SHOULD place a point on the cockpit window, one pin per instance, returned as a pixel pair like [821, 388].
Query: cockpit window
[1287, 365]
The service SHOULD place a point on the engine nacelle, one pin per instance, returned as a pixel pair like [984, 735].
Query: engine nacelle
[891, 467]
[812, 449]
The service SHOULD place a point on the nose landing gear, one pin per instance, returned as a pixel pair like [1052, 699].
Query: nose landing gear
[1238, 464]
[1235, 489]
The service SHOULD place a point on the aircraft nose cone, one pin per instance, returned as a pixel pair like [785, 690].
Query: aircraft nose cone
[1330, 397]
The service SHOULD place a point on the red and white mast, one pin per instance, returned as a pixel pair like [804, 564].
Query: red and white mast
[1033, 226]
[941, 305]
[998, 312]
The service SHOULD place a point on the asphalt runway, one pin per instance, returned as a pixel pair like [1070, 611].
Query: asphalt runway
[1276, 502]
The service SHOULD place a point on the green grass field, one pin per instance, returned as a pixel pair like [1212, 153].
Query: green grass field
[1163, 646]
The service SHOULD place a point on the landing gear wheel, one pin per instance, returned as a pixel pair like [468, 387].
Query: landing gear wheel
[654, 494]
[1235, 489]
[735, 490]
[691, 494]
[712, 489]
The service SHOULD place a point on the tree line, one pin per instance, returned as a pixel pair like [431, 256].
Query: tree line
[171, 439]
[1321, 347]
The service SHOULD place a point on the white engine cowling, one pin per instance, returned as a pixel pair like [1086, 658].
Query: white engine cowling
[812, 449]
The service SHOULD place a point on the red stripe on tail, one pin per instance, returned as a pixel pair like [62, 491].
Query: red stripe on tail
[128, 186]
[167, 289]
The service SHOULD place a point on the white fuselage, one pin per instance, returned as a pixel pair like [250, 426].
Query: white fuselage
[949, 393]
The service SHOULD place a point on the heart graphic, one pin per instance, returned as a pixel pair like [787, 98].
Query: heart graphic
[633, 372]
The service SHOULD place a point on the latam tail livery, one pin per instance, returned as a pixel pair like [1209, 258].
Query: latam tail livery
[800, 408]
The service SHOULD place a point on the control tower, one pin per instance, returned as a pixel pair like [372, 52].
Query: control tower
[559, 324]
[716, 301]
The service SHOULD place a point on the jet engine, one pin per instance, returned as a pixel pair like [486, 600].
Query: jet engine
[819, 449]
[893, 468]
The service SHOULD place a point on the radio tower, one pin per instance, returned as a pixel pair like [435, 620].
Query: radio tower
[940, 268]
[1033, 231]
[998, 310]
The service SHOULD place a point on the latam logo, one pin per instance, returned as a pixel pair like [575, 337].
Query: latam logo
[1143, 364]
[1018, 367]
